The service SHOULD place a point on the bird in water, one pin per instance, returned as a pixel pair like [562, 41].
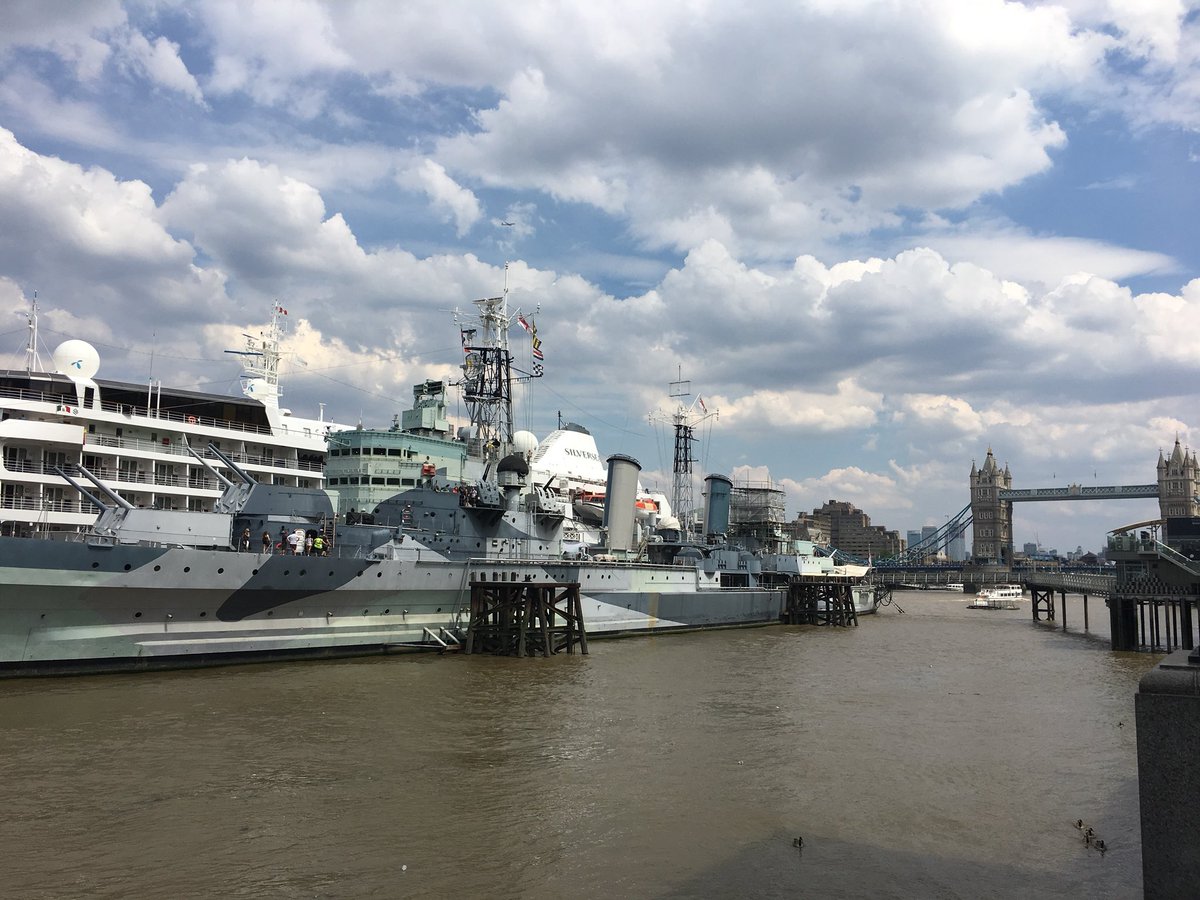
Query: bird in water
[798, 842]
[1100, 846]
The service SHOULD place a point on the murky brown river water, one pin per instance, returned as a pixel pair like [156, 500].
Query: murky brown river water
[939, 753]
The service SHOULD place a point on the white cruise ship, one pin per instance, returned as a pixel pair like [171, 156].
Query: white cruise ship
[132, 437]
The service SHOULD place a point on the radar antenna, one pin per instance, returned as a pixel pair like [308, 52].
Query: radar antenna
[684, 421]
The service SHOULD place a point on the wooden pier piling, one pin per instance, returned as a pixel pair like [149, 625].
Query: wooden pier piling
[820, 602]
[525, 618]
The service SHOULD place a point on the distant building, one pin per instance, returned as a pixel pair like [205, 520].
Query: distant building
[956, 551]
[850, 530]
[812, 526]
[912, 539]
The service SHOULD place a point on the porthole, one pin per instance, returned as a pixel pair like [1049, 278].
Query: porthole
[270, 612]
[95, 565]
[158, 568]
[220, 571]
[386, 611]
[187, 568]
[439, 609]
[331, 573]
[287, 571]
[364, 612]
[378, 574]
[203, 614]
[359, 574]
[254, 572]
[137, 615]
[128, 567]
[304, 571]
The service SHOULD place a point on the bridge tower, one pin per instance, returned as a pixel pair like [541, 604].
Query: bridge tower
[991, 534]
[1177, 484]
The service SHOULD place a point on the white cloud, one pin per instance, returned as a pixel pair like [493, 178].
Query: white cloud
[72, 31]
[451, 200]
[159, 61]
[1046, 259]
[72, 224]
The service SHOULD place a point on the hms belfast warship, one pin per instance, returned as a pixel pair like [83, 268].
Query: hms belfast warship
[150, 588]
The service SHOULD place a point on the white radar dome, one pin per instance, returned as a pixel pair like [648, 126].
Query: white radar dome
[525, 441]
[78, 360]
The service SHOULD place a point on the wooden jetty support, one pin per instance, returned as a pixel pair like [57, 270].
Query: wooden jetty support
[819, 602]
[525, 618]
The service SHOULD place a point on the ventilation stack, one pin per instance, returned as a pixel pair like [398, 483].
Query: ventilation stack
[717, 491]
[620, 498]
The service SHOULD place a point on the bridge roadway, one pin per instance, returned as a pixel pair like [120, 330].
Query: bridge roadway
[1081, 492]
[1093, 585]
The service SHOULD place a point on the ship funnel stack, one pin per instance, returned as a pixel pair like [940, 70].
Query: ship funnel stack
[621, 498]
[717, 490]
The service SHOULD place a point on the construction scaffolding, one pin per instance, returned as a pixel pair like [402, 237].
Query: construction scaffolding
[757, 516]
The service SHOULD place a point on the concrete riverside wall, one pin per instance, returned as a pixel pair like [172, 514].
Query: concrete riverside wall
[1168, 747]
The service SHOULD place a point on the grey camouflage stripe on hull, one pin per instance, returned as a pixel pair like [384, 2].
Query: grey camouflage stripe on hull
[270, 588]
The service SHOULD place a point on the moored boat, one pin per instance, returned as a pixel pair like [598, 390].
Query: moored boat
[153, 588]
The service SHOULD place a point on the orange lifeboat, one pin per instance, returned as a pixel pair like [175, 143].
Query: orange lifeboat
[645, 507]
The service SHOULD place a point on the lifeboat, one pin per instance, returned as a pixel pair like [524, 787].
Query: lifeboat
[589, 506]
[645, 508]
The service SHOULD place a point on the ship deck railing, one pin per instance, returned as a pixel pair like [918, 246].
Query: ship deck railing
[127, 409]
[32, 467]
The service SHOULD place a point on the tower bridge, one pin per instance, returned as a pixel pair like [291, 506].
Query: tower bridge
[989, 514]
[993, 496]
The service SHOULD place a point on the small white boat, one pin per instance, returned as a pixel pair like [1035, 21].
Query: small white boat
[956, 587]
[1001, 596]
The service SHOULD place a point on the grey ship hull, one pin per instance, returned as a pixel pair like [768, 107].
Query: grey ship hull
[81, 607]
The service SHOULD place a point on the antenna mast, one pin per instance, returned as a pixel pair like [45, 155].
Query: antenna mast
[260, 360]
[684, 421]
[33, 362]
[487, 371]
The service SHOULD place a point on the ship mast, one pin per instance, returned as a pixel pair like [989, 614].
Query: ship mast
[260, 360]
[684, 421]
[33, 362]
[487, 372]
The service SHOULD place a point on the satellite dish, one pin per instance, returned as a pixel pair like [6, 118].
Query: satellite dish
[78, 360]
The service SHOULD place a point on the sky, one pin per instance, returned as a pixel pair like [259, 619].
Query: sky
[877, 237]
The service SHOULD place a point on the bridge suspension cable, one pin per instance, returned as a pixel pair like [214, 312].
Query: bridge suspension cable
[931, 544]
